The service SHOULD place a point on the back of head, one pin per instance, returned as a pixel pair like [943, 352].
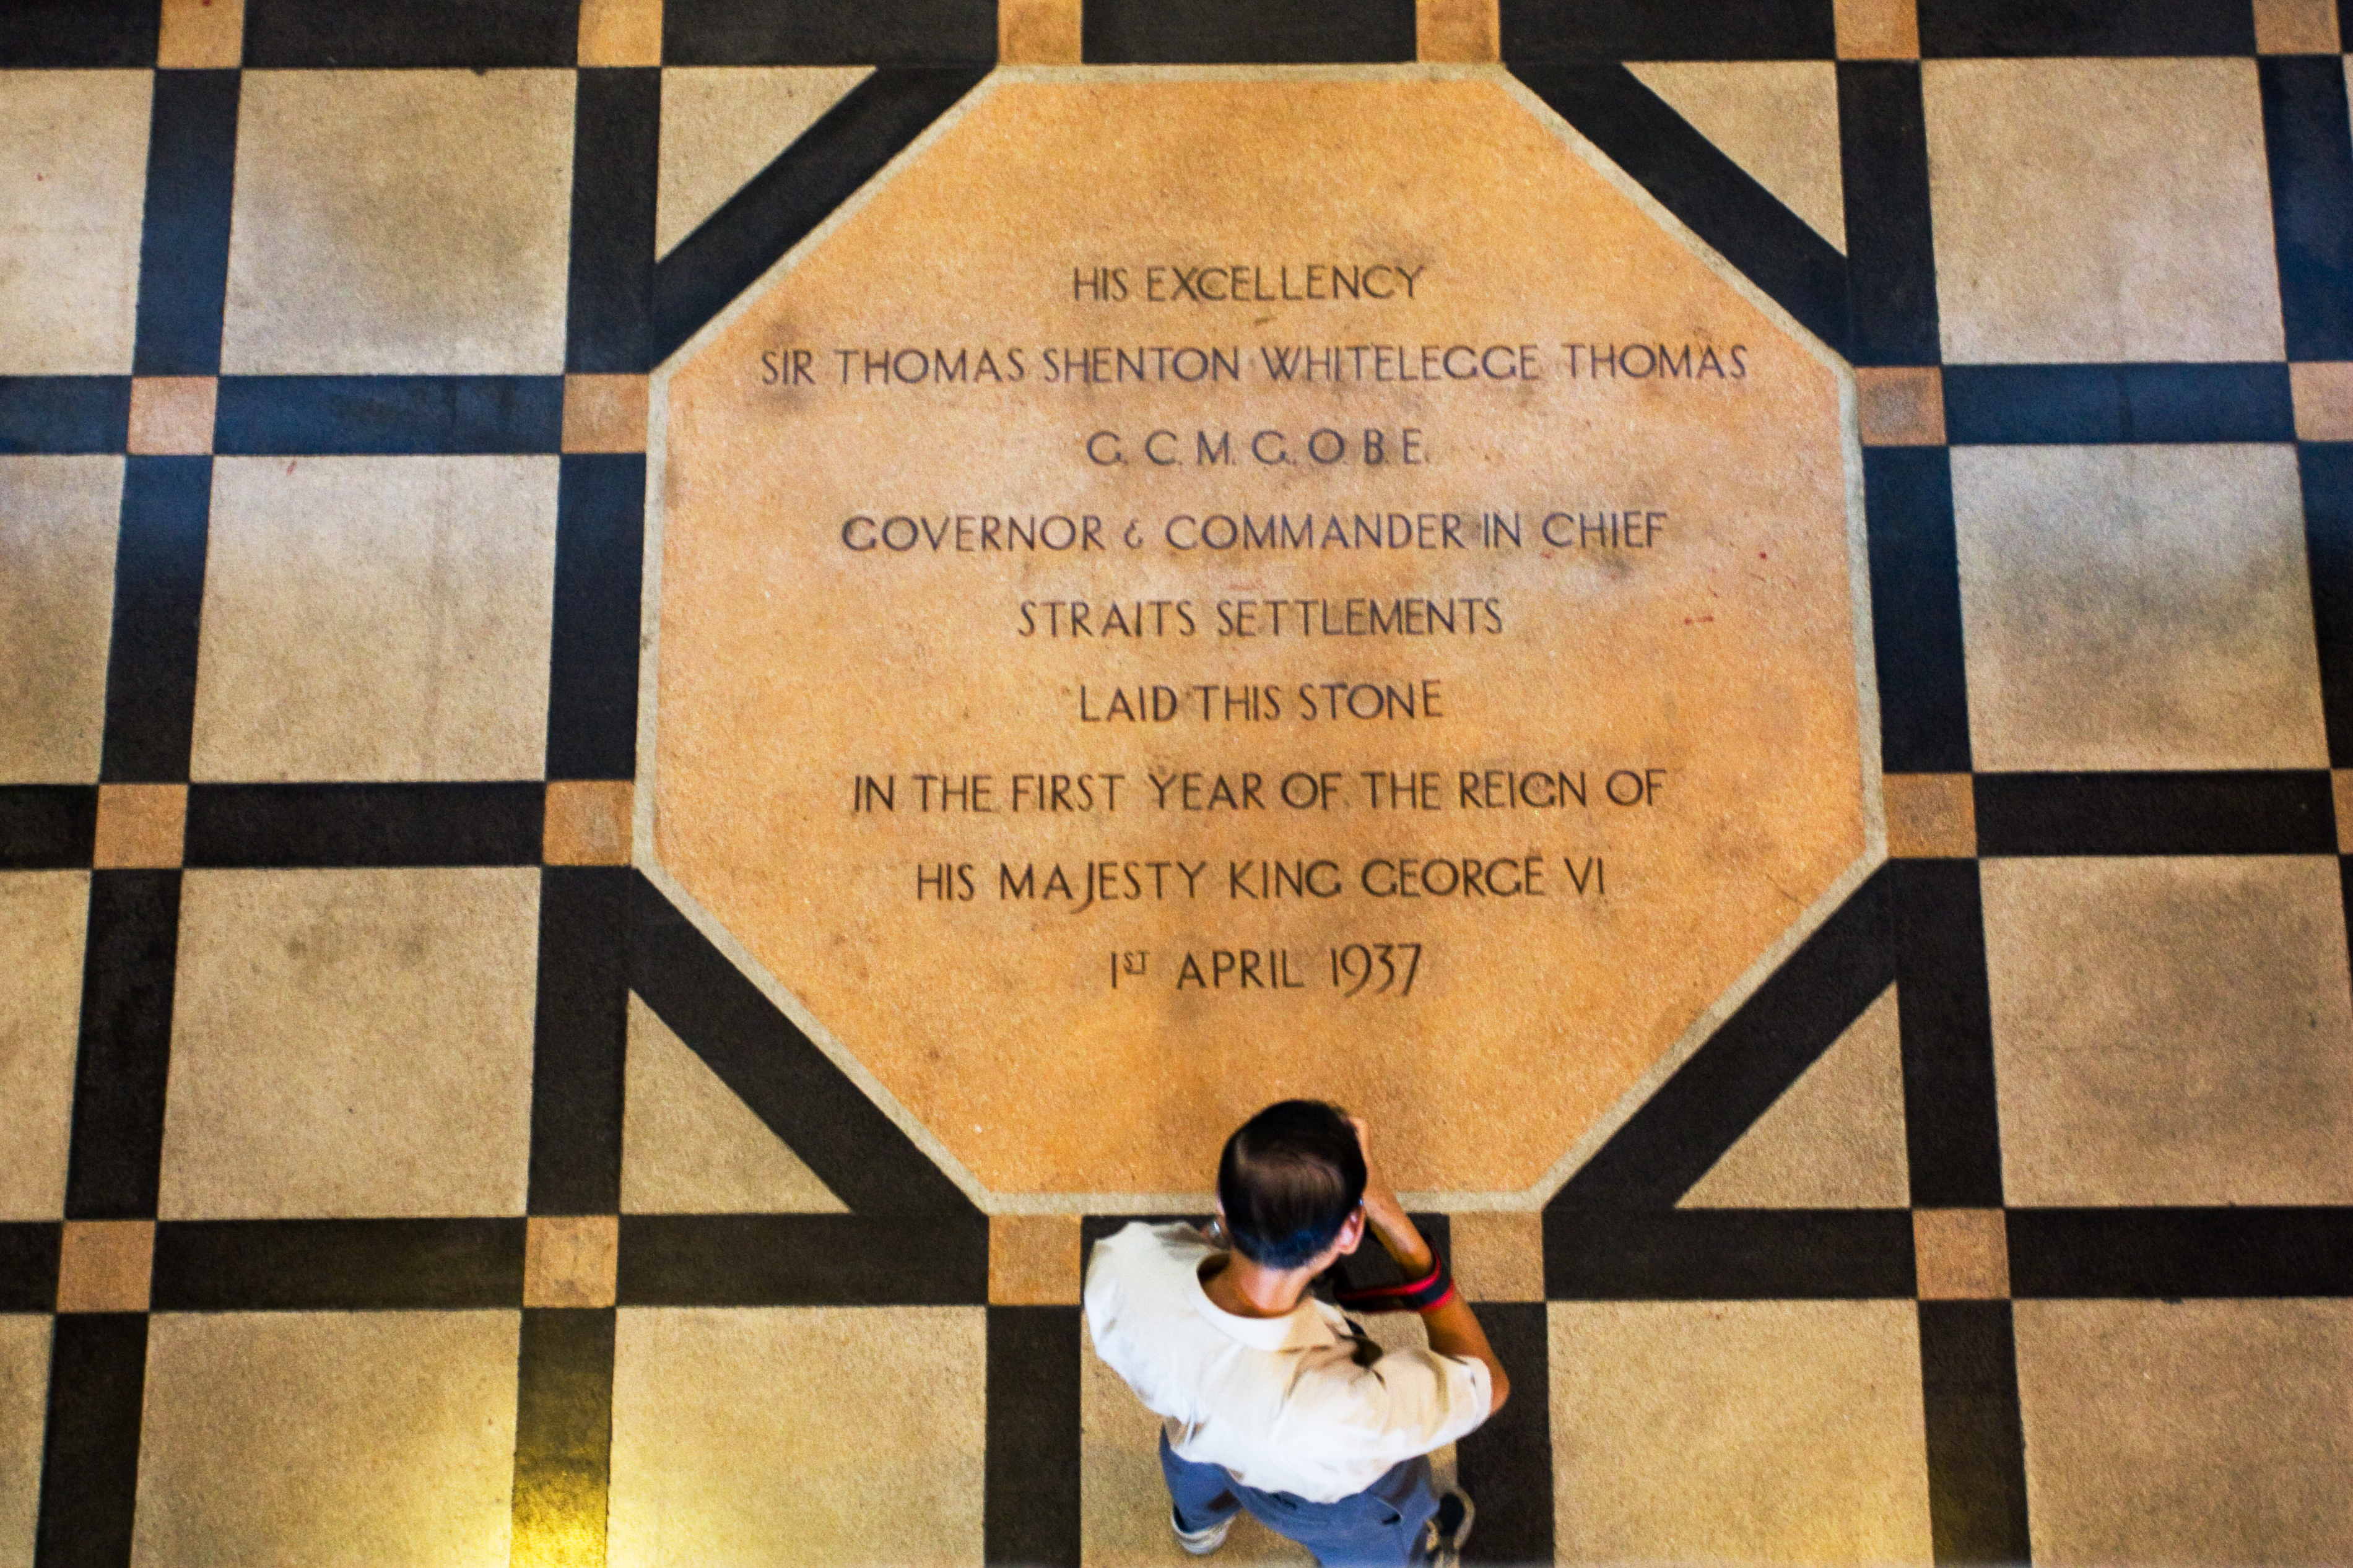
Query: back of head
[1289, 1178]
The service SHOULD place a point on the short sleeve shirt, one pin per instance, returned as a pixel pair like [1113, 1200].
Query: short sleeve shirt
[1281, 1403]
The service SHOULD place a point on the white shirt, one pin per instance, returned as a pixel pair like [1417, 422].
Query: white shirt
[1280, 1402]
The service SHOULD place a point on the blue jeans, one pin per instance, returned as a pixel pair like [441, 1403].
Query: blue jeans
[1382, 1525]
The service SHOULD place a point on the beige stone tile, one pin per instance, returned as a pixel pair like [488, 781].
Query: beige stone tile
[1878, 29]
[620, 32]
[43, 918]
[409, 222]
[2136, 607]
[378, 1437]
[376, 618]
[2340, 786]
[588, 822]
[722, 124]
[1033, 1260]
[2296, 27]
[2186, 1432]
[571, 1261]
[1962, 1255]
[1457, 32]
[1039, 32]
[2324, 401]
[2101, 210]
[351, 1043]
[2170, 1031]
[58, 519]
[1776, 119]
[173, 414]
[603, 413]
[1834, 1139]
[73, 189]
[202, 35]
[24, 1414]
[1498, 1257]
[1748, 1431]
[141, 825]
[803, 1436]
[690, 1146]
[104, 1265]
[1902, 405]
[1931, 816]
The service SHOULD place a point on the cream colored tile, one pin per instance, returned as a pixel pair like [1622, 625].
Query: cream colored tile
[1457, 32]
[2136, 607]
[1931, 816]
[2296, 27]
[1033, 1259]
[603, 413]
[1961, 1254]
[690, 1146]
[104, 1266]
[202, 35]
[350, 1043]
[2188, 1432]
[58, 518]
[44, 916]
[1834, 1139]
[804, 1436]
[620, 32]
[141, 825]
[376, 618]
[24, 1413]
[571, 1261]
[722, 124]
[2171, 1031]
[1902, 405]
[2324, 401]
[1039, 32]
[172, 415]
[1776, 119]
[384, 1438]
[2101, 210]
[1749, 1432]
[73, 189]
[2341, 789]
[1498, 1257]
[587, 823]
[1877, 29]
[400, 222]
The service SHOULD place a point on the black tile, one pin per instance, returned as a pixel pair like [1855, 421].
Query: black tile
[1977, 1444]
[28, 1265]
[391, 416]
[1955, 28]
[64, 413]
[1915, 610]
[1945, 1015]
[123, 1059]
[2310, 145]
[580, 1039]
[337, 1265]
[52, 34]
[1245, 32]
[366, 823]
[2170, 1254]
[159, 599]
[817, 33]
[90, 1458]
[1727, 1255]
[316, 33]
[1030, 1493]
[600, 553]
[1506, 1465]
[1096, 1227]
[183, 247]
[2091, 405]
[46, 827]
[1891, 256]
[2283, 812]
[778, 206]
[773, 1068]
[1684, 1129]
[1692, 30]
[563, 1435]
[2327, 472]
[1724, 205]
[616, 163]
[803, 1260]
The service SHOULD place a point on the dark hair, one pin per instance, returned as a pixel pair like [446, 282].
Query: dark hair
[1289, 1178]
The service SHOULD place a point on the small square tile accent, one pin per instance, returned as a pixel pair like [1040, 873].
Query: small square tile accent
[1962, 1255]
[43, 918]
[1039, 32]
[141, 826]
[104, 1264]
[603, 413]
[24, 1413]
[202, 35]
[172, 415]
[1877, 29]
[1931, 816]
[1498, 1257]
[1459, 32]
[2341, 785]
[1033, 1260]
[571, 1261]
[59, 520]
[73, 192]
[1902, 405]
[620, 32]
[588, 822]
[2296, 27]
[2324, 401]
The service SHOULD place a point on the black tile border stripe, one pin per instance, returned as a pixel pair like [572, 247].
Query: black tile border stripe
[873, 33]
[1506, 1465]
[337, 1265]
[1944, 1016]
[2095, 404]
[28, 1265]
[600, 551]
[615, 172]
[1727, 1255]
[2309, 143]
[449, 34]
[2325, 473]
[378, 824]
[1580, 30]
[1976, 1442]
[1918, 643]
[1891, 254]
[61, 35]
[2172, 1254]
[579, 1040]
[2289, 812]
[123, 1059]
[388, 416]
[183, 247]
[563, 1435]
[2011, 28]
[64, 416]
[90, 1458]
[46, 827]
[161, 546]
[803, 1260]
[1029, 1512]
[1246, 32]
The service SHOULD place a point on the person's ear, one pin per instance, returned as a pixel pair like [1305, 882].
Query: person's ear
[1351, 1232]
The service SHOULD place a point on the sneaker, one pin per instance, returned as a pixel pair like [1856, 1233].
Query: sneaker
[1450, 1527]
[1200, 1543]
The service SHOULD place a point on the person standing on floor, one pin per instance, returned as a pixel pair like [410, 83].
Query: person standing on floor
[1272, 1400]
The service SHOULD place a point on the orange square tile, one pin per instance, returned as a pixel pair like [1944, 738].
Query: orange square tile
[603, 413]
[2295, 28]
[1878, 30]
[620, 32]
[1037, 32]
[1033, 1259]
[105, 1264]
[172, 416]
[141, 826]
[1963, 1255]
[588, 822]
[2324, 401]
[1902, 407]
[1931, 816]
[571, 1261]
[1457, 32]
[201, 35]
[1498, 1257]
[2341, 784]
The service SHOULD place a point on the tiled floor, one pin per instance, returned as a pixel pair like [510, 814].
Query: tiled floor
[389, 1173]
